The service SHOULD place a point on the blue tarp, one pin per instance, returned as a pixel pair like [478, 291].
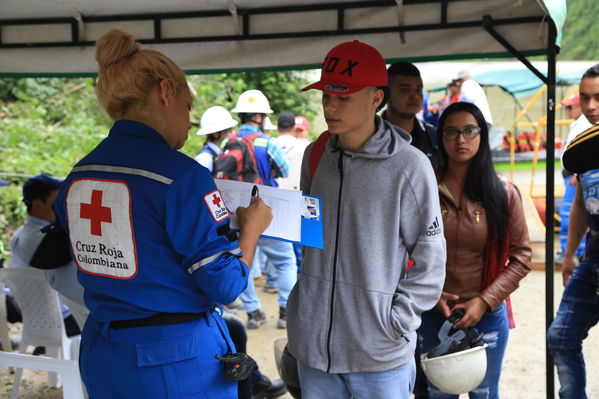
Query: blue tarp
[519, 82]
[522, 82]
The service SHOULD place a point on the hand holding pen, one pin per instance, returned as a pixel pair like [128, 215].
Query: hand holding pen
[257, 213]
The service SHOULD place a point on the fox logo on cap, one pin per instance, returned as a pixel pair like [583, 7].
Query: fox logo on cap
[350, 67]
[330, 64]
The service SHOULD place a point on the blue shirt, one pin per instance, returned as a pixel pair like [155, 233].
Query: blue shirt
[590, 191]
[23, 245]
[148, 229]
[269, 156]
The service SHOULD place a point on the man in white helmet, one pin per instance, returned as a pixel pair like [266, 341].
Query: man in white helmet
[253, 107]
[216, 124]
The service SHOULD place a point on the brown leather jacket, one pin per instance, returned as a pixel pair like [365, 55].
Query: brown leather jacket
[466, 235]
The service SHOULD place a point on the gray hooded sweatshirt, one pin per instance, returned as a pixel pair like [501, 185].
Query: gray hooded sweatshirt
[355, 307]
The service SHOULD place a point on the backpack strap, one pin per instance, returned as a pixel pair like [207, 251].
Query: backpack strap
[211, 151]
[317, 151]
[249, 143]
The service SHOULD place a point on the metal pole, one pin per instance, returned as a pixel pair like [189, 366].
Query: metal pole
[550, 204]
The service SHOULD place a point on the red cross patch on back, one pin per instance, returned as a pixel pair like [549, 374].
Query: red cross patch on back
[216, 206]
[101, 228]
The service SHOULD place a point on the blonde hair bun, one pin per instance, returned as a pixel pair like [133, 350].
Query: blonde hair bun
[114, 46]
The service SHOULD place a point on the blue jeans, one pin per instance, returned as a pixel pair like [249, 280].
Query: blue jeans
[495, 329]
[578, 312]
[396, 383]
[280, 254]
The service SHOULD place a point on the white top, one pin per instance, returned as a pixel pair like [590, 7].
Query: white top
[63, 279]
[294, 152]
[578, 126]
[473, 93]
[204, 158]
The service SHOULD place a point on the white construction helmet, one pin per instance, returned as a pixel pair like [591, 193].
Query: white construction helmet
[459, 363]
[268, 125]
[215, 119]
[458, 372]
[252, 102]
[287, 368]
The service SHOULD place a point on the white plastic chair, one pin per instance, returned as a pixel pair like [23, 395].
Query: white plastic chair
[78, 310]
[42, 319]
[68, 370]
[4, 337]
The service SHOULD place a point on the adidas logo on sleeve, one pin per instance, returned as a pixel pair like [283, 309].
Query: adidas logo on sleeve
[434, 228]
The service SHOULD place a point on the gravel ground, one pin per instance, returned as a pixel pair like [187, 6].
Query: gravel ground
[524, 367]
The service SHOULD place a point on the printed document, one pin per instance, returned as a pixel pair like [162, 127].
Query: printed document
[287, 207]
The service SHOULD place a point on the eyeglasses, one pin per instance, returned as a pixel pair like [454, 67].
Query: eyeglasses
[469, 133]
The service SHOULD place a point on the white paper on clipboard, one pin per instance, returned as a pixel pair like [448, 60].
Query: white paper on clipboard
[287, 206]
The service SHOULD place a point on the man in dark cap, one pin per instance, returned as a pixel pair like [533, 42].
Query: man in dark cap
[39, 193]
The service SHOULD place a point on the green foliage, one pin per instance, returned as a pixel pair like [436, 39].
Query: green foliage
[12, 214]
[47, 124]
[581, 31]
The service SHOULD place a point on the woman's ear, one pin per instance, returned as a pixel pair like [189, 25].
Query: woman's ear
[164, 92]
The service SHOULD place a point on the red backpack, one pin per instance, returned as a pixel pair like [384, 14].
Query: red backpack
[317, 151]
[238, 160]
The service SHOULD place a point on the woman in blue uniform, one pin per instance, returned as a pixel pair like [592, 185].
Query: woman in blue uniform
[150, 234]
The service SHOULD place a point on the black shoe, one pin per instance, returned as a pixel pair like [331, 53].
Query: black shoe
[39, 350]
[256, 319]
[282, 322]
[264, 388]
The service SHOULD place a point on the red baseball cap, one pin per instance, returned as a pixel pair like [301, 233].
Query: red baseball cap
[574, 99]
[350, 67]
[302, 122]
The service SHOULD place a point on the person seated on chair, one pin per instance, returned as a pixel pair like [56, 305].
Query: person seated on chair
[30, 248]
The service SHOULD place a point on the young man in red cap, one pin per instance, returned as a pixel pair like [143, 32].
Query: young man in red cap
[352, 315]
[573, 110]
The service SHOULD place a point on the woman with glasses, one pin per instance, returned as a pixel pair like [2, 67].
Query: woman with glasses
[488, 247]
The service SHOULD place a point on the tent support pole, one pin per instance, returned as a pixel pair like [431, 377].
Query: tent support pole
[549, 80]
[488, 26]
[550, 203]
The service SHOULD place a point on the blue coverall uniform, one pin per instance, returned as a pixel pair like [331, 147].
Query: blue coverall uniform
[150, 235]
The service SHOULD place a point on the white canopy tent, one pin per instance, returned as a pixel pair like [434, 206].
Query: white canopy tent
[56, 38]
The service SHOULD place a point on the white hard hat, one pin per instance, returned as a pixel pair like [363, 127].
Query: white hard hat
[252, 102]
[268, 124]
[458, 372]
[215, 119]
[287, 368]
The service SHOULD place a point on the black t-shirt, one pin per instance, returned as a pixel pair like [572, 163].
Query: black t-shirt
[424, 137]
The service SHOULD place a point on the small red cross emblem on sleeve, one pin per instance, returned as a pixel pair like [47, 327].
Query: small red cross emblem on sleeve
[96, 213]
[216, 200]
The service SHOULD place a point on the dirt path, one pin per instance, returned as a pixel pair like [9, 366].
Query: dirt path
[524, 367]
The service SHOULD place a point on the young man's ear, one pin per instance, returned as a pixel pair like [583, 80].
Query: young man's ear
[378, 97]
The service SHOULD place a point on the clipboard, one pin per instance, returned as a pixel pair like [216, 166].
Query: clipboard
[296, 217]
[312, 235]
